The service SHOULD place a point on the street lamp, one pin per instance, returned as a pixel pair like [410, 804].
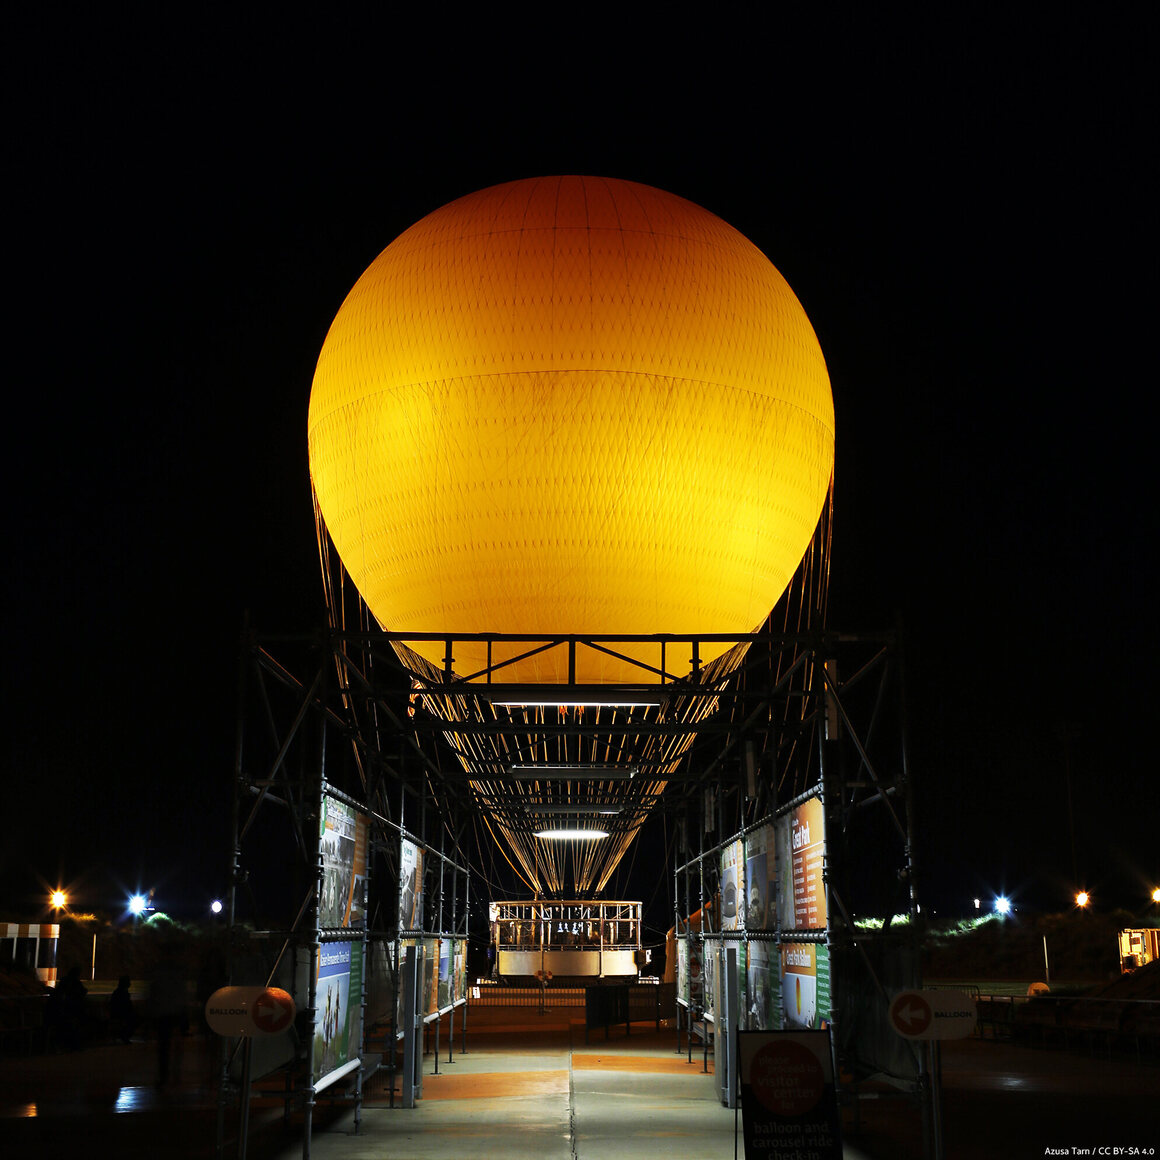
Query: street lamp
[1082, 899]
[59, 900]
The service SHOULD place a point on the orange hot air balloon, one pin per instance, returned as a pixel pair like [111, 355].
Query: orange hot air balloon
[570, 405]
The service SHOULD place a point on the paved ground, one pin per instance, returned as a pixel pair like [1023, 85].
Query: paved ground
[532, 1088]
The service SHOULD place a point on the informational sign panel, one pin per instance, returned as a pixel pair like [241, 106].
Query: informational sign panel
[801, 841]
[446, 951]
[430, 977]
[789, 1104]
[708, 965]
[380, 980]
[337, 1030]
[410, 886]
[760, 883]
[805, 985]
[761, 987]
[344, 833]
[732, 885]
[933, 1015]
[683, 969]
[459, 987]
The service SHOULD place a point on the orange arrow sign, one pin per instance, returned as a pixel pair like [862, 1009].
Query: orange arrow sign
[273, 1011]
[910, 1014]
[933, 1014]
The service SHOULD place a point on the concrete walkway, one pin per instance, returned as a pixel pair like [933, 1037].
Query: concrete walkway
[530, 1087]
[536, 1091]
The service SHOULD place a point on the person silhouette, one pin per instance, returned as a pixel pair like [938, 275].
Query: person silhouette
[122, 1017]
[167, 1006]
[73, 996]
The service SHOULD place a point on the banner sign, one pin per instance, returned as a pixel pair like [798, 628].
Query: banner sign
[344, 833]
[805, 985]
[732, 886]
[459, 990]
[337, 1030]
[789, 1104]
[761, 987]
[446, 957]
[760, 884]
[707, 961]
[410, 886]
[683, 969]
[801, 840]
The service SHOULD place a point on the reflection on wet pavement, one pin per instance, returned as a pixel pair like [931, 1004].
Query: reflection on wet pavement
[133, 1099]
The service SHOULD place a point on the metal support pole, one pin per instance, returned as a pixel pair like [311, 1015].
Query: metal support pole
[244, 1124]
[235, 874]
[412, 1087]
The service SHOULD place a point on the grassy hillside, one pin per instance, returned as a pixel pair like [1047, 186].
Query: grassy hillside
[1082, 947]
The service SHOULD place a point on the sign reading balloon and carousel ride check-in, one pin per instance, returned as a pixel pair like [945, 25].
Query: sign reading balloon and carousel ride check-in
[789, 1102]
[343, 833]
[337, 1027]
[801, 841]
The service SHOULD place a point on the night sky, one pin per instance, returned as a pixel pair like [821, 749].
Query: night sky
[967, 213]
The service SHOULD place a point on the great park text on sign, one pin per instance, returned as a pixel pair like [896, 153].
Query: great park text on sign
[801, 849]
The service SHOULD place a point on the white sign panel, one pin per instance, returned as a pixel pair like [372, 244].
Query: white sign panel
[933, 1015]
[237, 1011]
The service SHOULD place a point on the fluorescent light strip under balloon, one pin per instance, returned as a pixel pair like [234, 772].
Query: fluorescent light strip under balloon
[571, 835]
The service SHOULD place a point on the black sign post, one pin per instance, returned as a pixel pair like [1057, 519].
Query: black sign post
[789, 1102]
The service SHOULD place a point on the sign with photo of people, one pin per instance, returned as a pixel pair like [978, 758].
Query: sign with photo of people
[732, 885]
[459, 978]
[338, 999]
[760, 880]
[344, 833]
[410, 886]
[761, 991]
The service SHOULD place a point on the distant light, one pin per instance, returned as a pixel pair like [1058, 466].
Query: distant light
[1082, 898]
[978, 903]
[216, 906]
[137, 904]
[565, 835]
[1156, 894]
[59, 899]
[1002, 905]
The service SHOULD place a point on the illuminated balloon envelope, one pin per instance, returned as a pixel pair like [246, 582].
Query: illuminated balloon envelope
[570, 405]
